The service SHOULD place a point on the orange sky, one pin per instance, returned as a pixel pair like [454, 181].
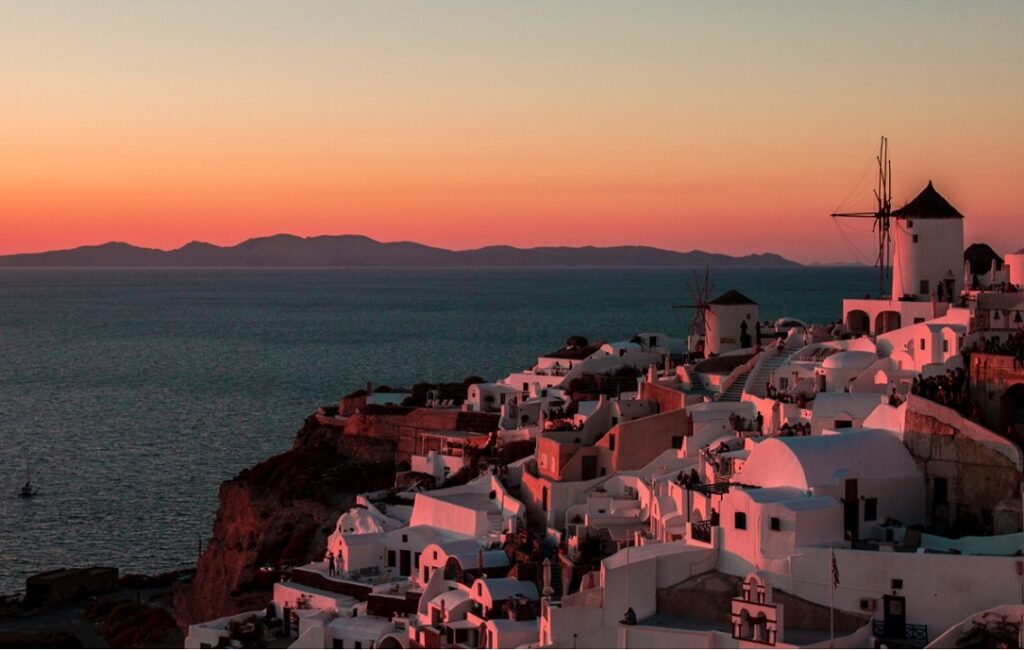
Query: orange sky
[734, 129]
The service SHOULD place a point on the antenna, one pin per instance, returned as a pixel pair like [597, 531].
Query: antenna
[882, 214]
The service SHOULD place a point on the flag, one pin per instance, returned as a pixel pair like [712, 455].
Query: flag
[835, 570]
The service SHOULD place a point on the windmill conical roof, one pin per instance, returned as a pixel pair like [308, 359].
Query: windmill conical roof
[732, 297]
[929, 204]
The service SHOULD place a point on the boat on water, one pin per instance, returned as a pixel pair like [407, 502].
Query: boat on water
[28, 490]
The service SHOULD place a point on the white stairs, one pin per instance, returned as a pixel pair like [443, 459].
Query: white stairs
[735, 391]
[758, 382]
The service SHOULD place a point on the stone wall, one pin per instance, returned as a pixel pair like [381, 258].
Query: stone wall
[709, 597]
[997, 387]
[980, 470]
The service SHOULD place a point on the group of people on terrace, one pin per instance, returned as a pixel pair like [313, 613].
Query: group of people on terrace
[950, 389]
[795, 429]
[1013, 346]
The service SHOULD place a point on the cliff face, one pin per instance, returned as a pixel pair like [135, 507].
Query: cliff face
[279, 513]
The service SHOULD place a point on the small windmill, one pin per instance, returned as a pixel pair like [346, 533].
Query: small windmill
[700, 295]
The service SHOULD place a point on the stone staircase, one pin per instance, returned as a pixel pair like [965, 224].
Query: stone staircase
[556, 578]
[759, 380]
[695, 381]
[735, 391]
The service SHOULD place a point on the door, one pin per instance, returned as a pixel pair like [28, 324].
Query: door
[589, 467]
[851, 510]
[895, 621]
[405, 567]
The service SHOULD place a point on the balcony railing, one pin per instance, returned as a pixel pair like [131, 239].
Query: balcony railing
[707, 489]
[905, 636]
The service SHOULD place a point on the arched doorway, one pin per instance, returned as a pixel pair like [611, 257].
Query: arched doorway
[858, 322]
[1012, 404]
[887, 321]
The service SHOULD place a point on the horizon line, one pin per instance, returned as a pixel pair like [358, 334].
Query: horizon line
[114, 242]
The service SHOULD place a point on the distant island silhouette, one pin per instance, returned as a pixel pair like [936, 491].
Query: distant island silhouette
[360, 251]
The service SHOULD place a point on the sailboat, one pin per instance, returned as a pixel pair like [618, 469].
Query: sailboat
[27, 490]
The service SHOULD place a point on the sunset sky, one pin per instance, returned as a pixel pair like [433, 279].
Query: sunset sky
[732, 127]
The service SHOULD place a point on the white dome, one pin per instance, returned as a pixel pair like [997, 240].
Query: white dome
[852, 359]
[806, 462]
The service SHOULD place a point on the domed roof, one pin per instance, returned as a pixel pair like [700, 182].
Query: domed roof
[805, 462]
[981, 258]
[850, 359]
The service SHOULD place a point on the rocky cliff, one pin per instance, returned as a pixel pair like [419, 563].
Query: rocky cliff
[279, 514]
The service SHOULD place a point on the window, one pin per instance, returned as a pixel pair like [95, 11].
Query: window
[358, 644]
[480, 589]
[843, 424]
[677, 442]
[740, 521]
[918, 320]
[915, 239]
[896, 583]
[611, 442]
[945, 345]
[776, 523]
[910, 223]
[924, 286]
[405, 539]
[922, 344]
[391, 558]
[870, 509]
[338, 643]
[940, 493]
[435, 555]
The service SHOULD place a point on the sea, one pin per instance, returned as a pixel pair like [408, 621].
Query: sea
[129, 395]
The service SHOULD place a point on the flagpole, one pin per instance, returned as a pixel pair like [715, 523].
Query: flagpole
[831, 598]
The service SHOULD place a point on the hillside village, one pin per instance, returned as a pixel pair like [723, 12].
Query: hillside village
[757, 483]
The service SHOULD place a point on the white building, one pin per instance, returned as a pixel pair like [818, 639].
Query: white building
[928, 245]
[730, 321]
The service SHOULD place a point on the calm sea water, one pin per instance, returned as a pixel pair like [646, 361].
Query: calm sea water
[134, 393]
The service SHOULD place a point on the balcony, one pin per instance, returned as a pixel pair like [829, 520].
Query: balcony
[906, 635]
